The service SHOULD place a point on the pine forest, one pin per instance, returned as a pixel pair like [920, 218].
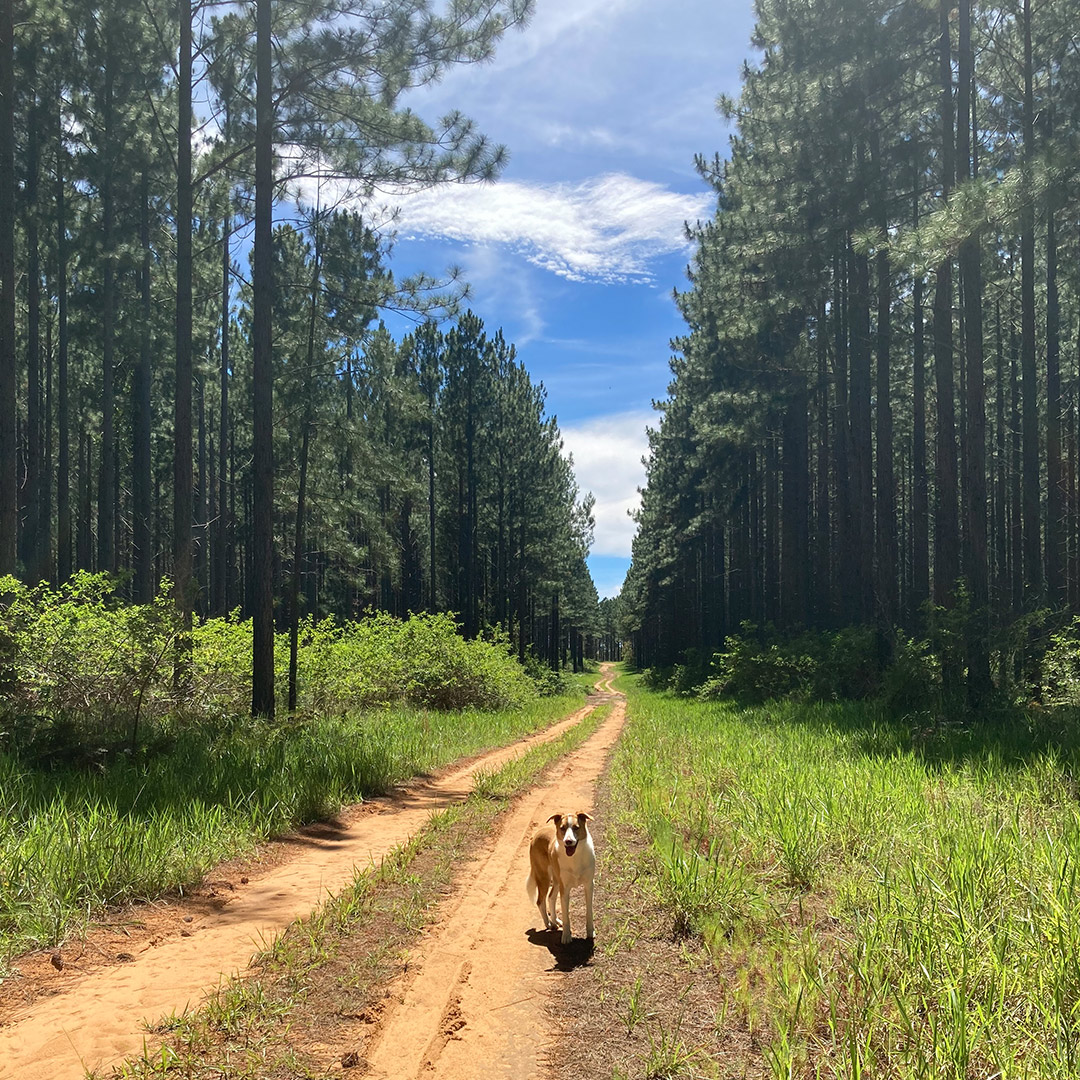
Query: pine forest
[199, 389]
[873, 414]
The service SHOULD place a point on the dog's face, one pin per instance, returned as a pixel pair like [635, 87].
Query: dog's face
[571, 830]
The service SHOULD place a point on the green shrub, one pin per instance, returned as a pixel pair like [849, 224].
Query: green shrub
[753, 672]
[78, 655]
[547, 681]
[1061, 667]
[817, 665]
[657, 678]
[912, 683]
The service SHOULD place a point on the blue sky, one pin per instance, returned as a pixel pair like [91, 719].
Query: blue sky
[602, 105]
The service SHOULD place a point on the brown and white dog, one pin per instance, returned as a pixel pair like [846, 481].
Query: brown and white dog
[562, 857]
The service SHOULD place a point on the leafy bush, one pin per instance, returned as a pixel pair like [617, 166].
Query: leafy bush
[753, 672]
[912, 682]
[1061, 667]
[819, 665]
[547, 682]
[78, 654]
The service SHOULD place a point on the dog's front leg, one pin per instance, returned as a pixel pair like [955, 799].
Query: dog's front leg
[564, 895]
[588, 909]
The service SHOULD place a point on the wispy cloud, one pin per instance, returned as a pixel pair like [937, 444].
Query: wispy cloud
[504, 285]
[606, 228]
[607, 461]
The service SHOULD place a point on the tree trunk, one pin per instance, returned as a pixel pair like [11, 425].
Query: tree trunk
[262, 585]
[795, 553]
[888, 600]
[862, 491]
[9, 507]
[822, 517]
[184, 585]
[976, 571]
[1033, 579]
[63, 422]
[141, 480]
[1056, 556]
[32, 480]
[219, 576]
[946, 519]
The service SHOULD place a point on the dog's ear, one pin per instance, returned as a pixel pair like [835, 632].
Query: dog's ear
[556, 818]
[582, 814]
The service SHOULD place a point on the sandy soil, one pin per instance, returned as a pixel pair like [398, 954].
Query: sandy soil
[474, 1000]
[96, 1015]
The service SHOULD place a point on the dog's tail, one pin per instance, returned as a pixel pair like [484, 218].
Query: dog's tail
[531, 888]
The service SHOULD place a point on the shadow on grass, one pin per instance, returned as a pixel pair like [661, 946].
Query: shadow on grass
[567, 957]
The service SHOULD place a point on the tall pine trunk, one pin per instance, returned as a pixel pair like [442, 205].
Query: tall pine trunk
[861, 551]
[141, 480]
[262, 541]
[183, 497]
[9, 507]
[976, 571]
[946, 517]
[795, 540]
[63, 390]
[1033, 579]
[222, 529]
[887, 549]
[1056, 554]
[33, 477]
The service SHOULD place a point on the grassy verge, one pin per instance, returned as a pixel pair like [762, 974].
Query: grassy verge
[831, 893]
[76, 839]
[322, 982]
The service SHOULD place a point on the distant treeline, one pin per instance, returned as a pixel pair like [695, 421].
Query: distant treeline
[875, 404]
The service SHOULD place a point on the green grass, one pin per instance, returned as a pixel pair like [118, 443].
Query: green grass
[76, 840]
[881, 901]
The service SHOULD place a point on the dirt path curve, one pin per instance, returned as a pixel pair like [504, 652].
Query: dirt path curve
[474, 1003]
[100, 1019]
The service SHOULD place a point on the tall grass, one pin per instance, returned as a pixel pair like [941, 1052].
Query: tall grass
[76, 839]
[885, 902]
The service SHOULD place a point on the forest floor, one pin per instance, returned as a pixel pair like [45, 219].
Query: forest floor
[468, 1000]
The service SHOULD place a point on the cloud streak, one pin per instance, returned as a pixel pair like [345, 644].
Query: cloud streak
[607, 461]
[605, 229]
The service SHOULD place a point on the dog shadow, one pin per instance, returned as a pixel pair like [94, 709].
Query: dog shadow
[567, 957]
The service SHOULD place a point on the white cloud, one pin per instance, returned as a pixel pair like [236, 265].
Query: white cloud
[607, 461]
[606, 228]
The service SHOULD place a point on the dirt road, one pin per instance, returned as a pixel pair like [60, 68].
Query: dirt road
[99, 1019]
[474, 1001]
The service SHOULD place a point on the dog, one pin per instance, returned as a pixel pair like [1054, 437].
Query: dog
[562, 857]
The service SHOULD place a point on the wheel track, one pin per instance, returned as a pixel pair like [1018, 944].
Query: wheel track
[473, 1003]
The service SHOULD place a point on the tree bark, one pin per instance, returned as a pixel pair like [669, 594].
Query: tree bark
[262, 584]
[9, 507]
[946, 518]
[1033, 578]
[976, 571]
[183, 585]
[63, 422]
[141, 480]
